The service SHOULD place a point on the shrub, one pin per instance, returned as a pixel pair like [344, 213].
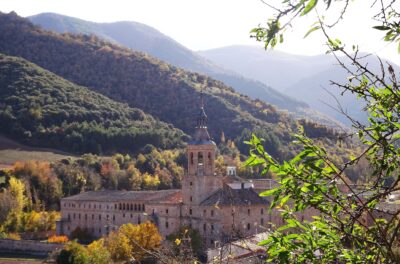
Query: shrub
[73, 253]
[13, 236]
[81, 234]
[58, 239]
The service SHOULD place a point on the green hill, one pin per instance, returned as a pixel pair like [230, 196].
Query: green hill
[40, 108]
[141, 81]
[146, 39]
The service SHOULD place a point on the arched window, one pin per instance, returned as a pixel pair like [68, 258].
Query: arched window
[200, 158]
[135, 207]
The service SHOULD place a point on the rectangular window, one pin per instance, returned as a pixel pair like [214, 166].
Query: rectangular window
[262, 211]
[166, 211]
[190, 211]
[212, 212]
[191, 198]
[166, 224]
[248, 211]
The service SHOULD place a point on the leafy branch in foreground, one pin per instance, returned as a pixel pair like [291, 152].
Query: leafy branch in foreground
[347, 223]
[386, 17]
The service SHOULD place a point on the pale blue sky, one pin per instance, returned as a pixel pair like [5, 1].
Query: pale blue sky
[206, 24]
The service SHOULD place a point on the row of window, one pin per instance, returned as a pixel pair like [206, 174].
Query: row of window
[200, 158]
[204, 212]
[130, 207]
[74, 216]
[212, 211]
[120, 206]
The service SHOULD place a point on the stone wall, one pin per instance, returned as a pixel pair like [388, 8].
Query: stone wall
[27, 247]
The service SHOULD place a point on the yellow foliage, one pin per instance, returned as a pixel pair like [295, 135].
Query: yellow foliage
[142, 238]
[58, 239]
[150, 182]
[13, 236]
[98, 253]
[119, 247]
[133, 241]
[39, 221]
[17, 189]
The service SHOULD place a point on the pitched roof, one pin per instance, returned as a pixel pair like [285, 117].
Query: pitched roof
[113, 196]
[227, 196]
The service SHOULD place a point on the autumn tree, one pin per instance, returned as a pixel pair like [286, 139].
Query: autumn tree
[354, 225]
[98, 253]
[133, 241]
[16, 191]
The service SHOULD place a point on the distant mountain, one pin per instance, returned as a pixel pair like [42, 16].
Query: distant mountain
[275, 68]
[42, 109]
[143, 38]
[306, 78]
[168, 93]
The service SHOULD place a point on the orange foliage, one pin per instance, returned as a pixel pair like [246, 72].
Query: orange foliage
[40, 169]
[58, 239]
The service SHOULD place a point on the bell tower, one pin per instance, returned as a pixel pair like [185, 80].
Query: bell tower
[200, 180]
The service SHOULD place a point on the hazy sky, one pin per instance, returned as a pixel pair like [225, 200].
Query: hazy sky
[206, 24]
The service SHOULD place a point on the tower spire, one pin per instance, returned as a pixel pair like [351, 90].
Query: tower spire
[201, 98]
[201, 133]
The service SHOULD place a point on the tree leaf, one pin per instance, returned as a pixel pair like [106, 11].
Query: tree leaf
[311, 4]
[311, 31]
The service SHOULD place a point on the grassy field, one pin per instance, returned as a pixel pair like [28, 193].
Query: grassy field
[10, 156]
[11, 151]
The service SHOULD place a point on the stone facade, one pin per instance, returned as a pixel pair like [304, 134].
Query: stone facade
[220, 207]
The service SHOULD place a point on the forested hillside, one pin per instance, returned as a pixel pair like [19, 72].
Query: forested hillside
[42, 109]
[158, 88]
[146, 39]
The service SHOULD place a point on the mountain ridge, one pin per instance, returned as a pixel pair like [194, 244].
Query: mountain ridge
[143, 38]
[162, 90]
